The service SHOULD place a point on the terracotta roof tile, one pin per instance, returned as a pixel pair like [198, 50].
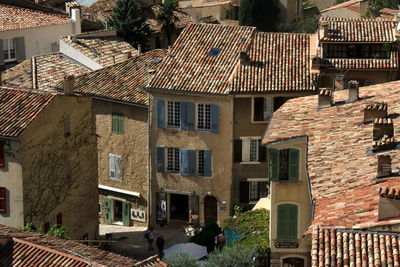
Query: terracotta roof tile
[18, 108]
[351, 4]
[359, 30]
[389, 11]
[15, 18]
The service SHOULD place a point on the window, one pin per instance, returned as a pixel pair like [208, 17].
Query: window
[173, 159]
[214, 52]
[3, 200]
[114, 167]
[2, 156]
[200, 163]
[9, 49]
[204, 116]
[117, 123]
[250, 150]
[283, 165]
[376, 51]
[174, 114]
[263, 108]
[257, 190]
[287, 221]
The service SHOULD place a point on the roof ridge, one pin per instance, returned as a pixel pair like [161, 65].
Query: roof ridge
[31, 91]
[35, 11]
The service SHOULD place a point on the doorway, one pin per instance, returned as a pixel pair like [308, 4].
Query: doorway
[117, 211]
[179, 207]
[210, 210]
[293, 262]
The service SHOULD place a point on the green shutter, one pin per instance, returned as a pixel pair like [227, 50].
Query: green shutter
[121, 124]
[107, 210]
[282, 222]
[292, 221]
[117, 123]
[126, 213]
[273, 164]
[293, 164]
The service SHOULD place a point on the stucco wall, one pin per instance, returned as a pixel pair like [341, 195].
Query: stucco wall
[219, 185]
[60, 171]
[11, 179]
[131, 146]
[219, 12]
[341, 13]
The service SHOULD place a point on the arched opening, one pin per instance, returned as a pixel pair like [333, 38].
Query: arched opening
[293, 262]
[210, 210]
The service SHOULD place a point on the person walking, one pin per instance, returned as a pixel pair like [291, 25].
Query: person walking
[150, 235]
[160, 246]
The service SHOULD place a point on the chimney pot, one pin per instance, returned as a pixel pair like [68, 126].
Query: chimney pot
[384, 166]
[139, 48]
[69, 85]
[353, 91]
[374, 111]
[325, 98]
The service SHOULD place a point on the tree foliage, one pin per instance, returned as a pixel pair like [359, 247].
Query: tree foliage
[181, 259]
[234, 256]
[127, 20]
[206, 237]
[307, 24]
[259, 13]
[166, 16]
[376, 5]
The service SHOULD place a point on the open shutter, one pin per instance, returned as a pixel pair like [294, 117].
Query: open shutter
[192, 162]
[160, 159]
[268, 108]
[126, 213]
[282, 219]
[244, 192]
[184, 161]
[237, 150]
[190, 118]
[273, 164]
[118, 167]
[293, 164]
[1, 52]
[262, 152]
[160, 113]
[207, 163]
[184, 115]
[111, 166]
[292, 213]
[246, 143]
[214, 118]
[2, 155]
[20, 48]
[107, 210]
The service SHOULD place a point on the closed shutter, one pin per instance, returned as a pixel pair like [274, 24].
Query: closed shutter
[117, 123]
[118, 168]
[190, 118]
[20, 48]
[1, 52]
[268, 108]
[207, 163]
[160, 113]
[126, 213]
[183, 115]
[107, 210]
[292, 213]
[192, 162]
[246, 150]
[121, 124]
[2, 155]
[293, 164]
[244, 192]
[184, 161]
[237, 150]
[282, 219]
[160, 159]
[214, 118]
[262, 152]
[273, 164]
[111, 166]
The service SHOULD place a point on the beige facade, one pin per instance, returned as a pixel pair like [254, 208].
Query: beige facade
[221, 11]
[290, 10]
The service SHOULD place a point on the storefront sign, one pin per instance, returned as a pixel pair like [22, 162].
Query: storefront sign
[138, 215]
[286, 244]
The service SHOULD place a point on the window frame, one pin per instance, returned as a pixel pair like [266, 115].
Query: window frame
[264, 121]
[175, 161]
[8, 51]
[293, 176]
[204, 117]
[115, 178]
[257, 153]
[258, 181]
[175, 117]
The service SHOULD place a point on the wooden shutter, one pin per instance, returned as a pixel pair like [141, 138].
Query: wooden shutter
[3, 200]
[282, 219]
[2, 155]
[1, 52]
[126, 213]
[237, 150]
[293, 164]
[114, 123]
[118, 167]
[192, 162]
[273, 164]
[120, 124]
[244, 192]
[183, 115]
[292, 213]
[214, 118]
[262, 153]
[207, 163]
[268, 108]
[160, 113]
[107, 210]
[184, 161]
[191, 113]
[246, 143]
[111, 166]
[20, 48]
[160, 159]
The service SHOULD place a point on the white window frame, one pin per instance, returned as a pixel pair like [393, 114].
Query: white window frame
[174, 116]
[10, 59]
[255, 180]
[174, 160]
[268, 110]
[113, 172]
[204, 119]
[247, 157]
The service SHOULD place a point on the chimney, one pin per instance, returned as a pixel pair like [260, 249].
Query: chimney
[69, 85]
[375, 110]
[76, 18]
[325, 98]
[324, 29]
[353, 91]
[139, 48]
[244, 57]
[127, 55]
[383, 128]
[384, 166]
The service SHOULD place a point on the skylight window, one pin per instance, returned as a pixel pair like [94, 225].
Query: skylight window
[156, 59]
[214, 52]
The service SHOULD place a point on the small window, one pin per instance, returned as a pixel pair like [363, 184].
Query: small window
[200, 163]
[174, 114]
[263, 108]
[287, 221]
[114, 167]
[2, 156]
[9, 50]
[117, 123]
[214, 52]
[250, 150]
[3, 200]
[204, 116]
[283, 165]
[257, 190]
[173, 164]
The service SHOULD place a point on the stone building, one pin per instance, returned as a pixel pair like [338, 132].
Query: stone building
[48, 163]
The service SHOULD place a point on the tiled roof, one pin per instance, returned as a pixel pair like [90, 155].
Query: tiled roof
[389, 11]
[18, 108]
[278, 62]
[332, 247]
[15, 18]
[41, 72]
[32, 249]
[341, 166]
[183, 21]
[359, 30]
[353, 63]
[106, 52]
[123, 82]
[353, 5]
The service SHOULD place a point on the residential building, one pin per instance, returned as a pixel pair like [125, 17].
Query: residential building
[48, 163]
[225, 11]
[348, 188]
[26, 32]
[211, 99]
[356, 9]
[388, 13]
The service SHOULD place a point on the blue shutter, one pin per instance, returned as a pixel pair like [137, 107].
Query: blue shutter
[184, 161]
[190, 118]
[207, 163]
[192, 162]
[214, 118]
[160, 113]
[184, 116]
[160, 159]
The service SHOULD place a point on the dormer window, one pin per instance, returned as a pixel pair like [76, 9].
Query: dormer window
[366, 51]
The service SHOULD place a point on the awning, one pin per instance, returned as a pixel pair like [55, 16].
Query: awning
[117, 190]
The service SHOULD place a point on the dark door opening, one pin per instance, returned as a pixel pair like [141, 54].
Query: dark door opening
[117, 211]
[293, 262]
[210, 210]
[179, 207]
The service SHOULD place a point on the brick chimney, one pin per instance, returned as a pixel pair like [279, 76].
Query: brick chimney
[353, 91]
[382, 127]
[325, 98]
[375, 110]
[384, 166]
[324, 29]
[69, 85]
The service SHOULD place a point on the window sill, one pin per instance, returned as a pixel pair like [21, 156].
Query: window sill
[250, 162]
[287, 182]
[115, 180]
[260, 122]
